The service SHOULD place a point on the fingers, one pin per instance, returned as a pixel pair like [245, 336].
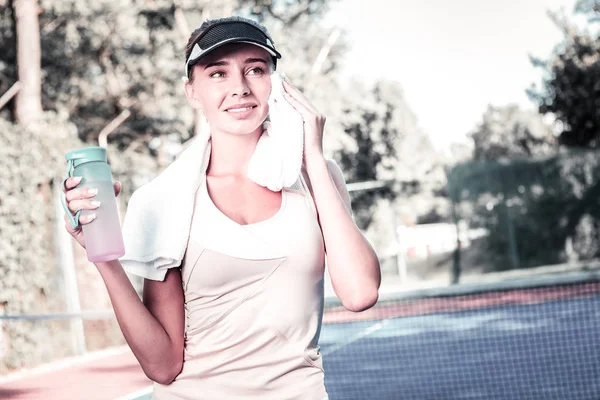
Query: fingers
[70, 183]
[83, 220]
[85, 204]
[295, 93]
[298, 106]
[79, 198]
[82, 198]
[81, 193]
[68, 225]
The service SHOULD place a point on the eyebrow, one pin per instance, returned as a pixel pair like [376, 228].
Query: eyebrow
[223, 63]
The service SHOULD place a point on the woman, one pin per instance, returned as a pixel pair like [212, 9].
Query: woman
[223, 325]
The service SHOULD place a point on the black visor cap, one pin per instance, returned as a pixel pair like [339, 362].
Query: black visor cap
[226, 32]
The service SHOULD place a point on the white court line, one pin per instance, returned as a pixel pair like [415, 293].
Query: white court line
[64, 363]
[364, 333]
[136, 394]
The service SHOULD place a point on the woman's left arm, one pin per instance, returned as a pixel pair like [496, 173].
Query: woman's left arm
[352, 263]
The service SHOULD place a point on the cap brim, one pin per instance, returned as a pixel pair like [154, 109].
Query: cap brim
[194, 58]
[204, 52]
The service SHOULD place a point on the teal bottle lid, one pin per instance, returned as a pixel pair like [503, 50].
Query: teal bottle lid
[85, 155]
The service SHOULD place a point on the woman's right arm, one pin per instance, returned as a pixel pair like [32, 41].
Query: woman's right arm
[153, 327]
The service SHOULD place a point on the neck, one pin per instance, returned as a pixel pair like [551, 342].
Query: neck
[231, 154]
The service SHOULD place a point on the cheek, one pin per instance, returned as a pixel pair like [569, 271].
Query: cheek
[267, 90]
[262, 89]
[264, 99]
[211, 100]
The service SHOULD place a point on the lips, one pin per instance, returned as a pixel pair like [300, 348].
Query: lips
[240, 108]
[241, 112]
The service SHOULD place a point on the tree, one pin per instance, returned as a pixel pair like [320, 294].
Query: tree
[28, 107]
[381, 141]
[287, 12]
[507, 132]
[369, 126]
[531, 208]
[570, 90]
[107, 59]
[591, 8]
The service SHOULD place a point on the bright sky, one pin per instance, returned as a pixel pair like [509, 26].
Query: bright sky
[452, 58]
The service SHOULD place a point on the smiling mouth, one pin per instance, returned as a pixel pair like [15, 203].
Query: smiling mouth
[240, 110]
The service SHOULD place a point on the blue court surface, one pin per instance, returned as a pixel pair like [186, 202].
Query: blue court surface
[544, 351]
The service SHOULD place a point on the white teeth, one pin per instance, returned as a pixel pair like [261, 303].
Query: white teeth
[239, 109]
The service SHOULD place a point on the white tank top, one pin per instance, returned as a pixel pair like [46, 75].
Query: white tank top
[253, 305]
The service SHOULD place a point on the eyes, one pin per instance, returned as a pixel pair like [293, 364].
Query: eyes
[257, 71]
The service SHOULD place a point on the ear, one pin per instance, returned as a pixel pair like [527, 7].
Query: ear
[191, 95]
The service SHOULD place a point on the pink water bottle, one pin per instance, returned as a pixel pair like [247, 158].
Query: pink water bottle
[103, 237]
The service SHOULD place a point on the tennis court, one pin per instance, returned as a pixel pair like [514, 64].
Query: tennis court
[539, 343]
[515, 342]
[532, 344]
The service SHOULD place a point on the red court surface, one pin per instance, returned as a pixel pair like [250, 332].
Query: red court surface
[104, 377]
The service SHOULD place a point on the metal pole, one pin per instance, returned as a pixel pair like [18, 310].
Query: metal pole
[400, 256]
[66, 263]
[366, 185]
[510, 227]
[456, 267]
[456, 255]
[2, 345]
[512, 241]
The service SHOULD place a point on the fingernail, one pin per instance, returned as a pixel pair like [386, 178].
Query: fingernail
[92, 191]
[95, 203]
[77, 179]
[90, 217]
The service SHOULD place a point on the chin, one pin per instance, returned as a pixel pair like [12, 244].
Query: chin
[245, 127]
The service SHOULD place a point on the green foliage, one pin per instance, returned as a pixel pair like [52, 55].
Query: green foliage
[101, 57]
[383, 143]
[535, 206]
[570, 90]
[369, 129]
[591, 8]
[539, 204]
[369, 124]
[508, 132]
[287, 12]
[30, 282]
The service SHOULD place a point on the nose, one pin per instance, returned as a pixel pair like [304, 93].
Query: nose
[240, 86]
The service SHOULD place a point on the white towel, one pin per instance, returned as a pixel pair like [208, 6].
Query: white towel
[159, 214]
[277, 160]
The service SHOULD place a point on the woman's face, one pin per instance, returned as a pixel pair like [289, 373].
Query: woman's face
[232, 85]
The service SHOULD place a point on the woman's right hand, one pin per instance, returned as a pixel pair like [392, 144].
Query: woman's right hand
[80, 199]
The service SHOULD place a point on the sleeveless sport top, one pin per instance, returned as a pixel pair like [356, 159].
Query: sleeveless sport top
[253, 305]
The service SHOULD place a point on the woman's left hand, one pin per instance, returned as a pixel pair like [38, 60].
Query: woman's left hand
[314, 121]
